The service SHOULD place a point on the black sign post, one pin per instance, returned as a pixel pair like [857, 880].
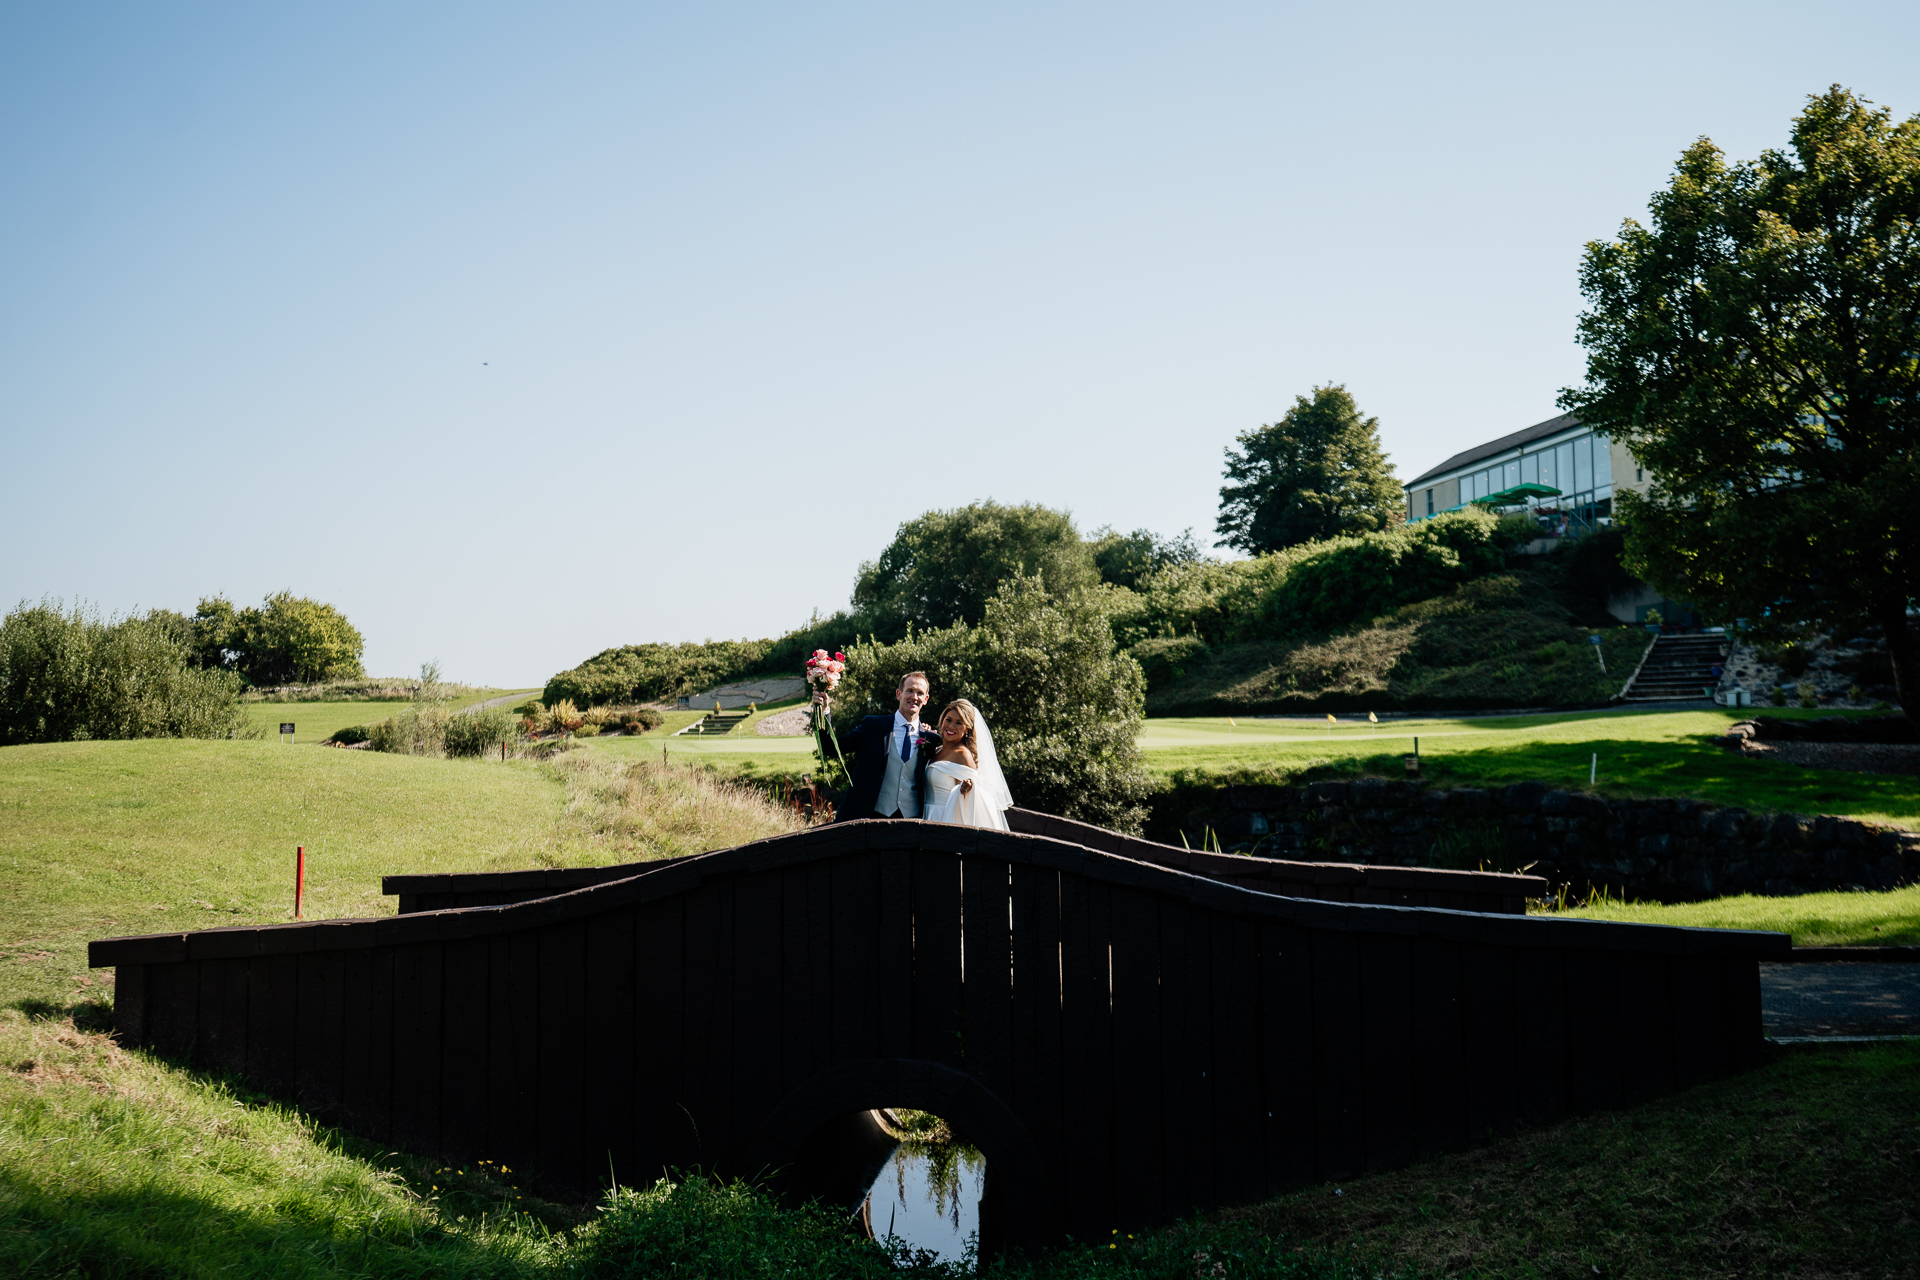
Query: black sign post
[286, 730]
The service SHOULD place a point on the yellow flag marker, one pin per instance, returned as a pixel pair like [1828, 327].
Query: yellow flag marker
[1329, 724]
[1373, 720]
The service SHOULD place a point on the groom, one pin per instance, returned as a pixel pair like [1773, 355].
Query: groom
[890, 756]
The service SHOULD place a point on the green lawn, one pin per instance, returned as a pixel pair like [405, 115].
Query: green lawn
[103, 838]
[1884, 919]
[1640, 753]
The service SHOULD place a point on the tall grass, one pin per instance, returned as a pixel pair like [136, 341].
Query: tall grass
[645, 810]
[69, 675]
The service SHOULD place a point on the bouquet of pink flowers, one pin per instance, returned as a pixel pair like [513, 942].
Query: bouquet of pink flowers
[823, 674]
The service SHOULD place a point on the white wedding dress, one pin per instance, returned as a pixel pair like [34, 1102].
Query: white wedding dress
[985, 804]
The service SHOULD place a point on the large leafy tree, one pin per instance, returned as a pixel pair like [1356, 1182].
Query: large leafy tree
[943, 567]
[286, 638]
[1125, 559]
[1317, 473]
[1756, 348]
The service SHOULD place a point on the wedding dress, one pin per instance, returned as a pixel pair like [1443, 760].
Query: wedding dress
[985, 804]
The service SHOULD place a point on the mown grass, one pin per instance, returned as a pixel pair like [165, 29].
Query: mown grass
[1808, 1166]
[1879, 919]
[1650, 753]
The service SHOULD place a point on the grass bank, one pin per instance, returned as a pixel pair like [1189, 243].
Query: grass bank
[1876, 919]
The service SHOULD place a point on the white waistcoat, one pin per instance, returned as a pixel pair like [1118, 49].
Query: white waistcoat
[896, 784]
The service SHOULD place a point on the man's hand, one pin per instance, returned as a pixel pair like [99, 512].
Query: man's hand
[819, 697]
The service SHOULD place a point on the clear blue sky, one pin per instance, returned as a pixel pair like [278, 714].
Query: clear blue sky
[519, 332]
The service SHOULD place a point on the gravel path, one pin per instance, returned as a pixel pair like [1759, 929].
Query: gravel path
[1840, 999]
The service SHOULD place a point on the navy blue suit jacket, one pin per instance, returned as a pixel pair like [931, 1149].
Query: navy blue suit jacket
[868, 743]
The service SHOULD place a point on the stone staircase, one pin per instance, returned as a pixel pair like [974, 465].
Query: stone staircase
[1680, 668]
[715, 724]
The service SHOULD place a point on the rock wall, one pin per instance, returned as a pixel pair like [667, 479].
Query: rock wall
[1666, 850]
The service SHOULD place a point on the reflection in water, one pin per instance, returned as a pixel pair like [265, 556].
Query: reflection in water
[928, 1195]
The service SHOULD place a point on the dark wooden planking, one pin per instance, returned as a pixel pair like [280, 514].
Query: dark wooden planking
[609, 1075]
[1646, 1027]
[664, 1140]
[802, 1050]
[1540, 996]
[1339, 1109]
[1743, 1036]
[563, 1055]
[1139, 1158]
[321, 1032]
[273, 1008]
[1492, 1058]
[1088, 1058]
[1286, 1056]
[1594, 1078]
[1439, 1047]
[1241, 1169]
[367, 1052]
[464, 1085]
[513, 1044]
[417, 1061]
[936, 957]
[1699, 1040]
[756, 1004]
[1038, 1086]
[817, 1034]
[987, 991]
[896, 954]
[221, 1044]
[1186, 1052]
[1386, 993]
[173, 1007]
[130, 1004]
[856, 957]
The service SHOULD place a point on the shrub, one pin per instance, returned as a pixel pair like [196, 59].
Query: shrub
[1165, 661]
[477, 732]
[350, 735]
[420, 730]
[1064, 705]
[67, 675]
[586, 729]
[642, 720]
[563, 716]
[646, 672]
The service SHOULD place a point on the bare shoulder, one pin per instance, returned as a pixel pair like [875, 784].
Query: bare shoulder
[965, 757]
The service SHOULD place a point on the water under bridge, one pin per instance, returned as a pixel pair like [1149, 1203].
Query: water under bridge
[1127, 1032]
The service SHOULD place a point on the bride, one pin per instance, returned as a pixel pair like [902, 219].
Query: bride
[964, 782]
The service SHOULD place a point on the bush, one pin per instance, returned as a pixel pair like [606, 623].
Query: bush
[1166, 661]
[1595, 565]
[648, 672]
[478, 732]
[642, 720]
[586, 730]
[351, 735]
[67, 675]
[420, 730]
[1064, 705]
[1329, 585]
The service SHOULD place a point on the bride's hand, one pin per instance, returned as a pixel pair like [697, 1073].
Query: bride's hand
[966, 786]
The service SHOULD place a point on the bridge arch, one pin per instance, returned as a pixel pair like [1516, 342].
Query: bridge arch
[820, 1142]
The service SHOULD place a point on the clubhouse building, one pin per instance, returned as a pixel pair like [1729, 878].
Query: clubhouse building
[1560, 470]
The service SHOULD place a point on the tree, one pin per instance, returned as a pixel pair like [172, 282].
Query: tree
[1064, 704]
[1317, 473]
[288, 639]
[943, 567]
[1125, 558]
[1756, 348]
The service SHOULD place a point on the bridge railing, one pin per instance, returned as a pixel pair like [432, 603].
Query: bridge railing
[1330, 881]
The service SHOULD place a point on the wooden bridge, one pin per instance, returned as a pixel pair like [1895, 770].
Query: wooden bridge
[1124, 1041]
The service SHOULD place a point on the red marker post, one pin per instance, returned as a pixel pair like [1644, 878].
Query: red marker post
[299, 877]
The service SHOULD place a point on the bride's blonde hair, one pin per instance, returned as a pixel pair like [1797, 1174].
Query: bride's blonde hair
[969, 715]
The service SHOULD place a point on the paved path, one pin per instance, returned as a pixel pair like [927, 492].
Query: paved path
[500, 701]
[1840, 999]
